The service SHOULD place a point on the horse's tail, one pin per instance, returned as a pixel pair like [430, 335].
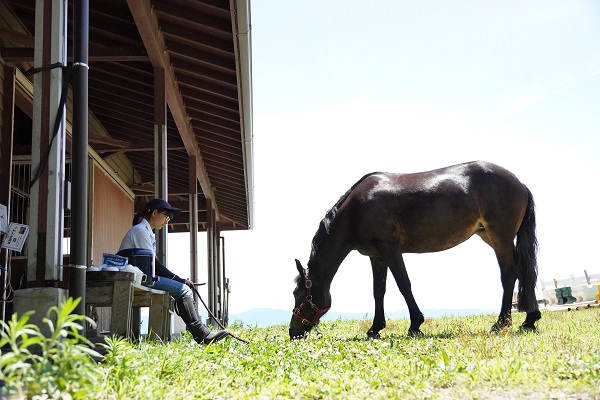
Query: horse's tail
[526, 258]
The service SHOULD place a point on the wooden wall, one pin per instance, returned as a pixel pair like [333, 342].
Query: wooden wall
[111, 217]
[112, 214]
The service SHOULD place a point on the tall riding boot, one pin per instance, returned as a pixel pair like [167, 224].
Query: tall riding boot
[186, 309]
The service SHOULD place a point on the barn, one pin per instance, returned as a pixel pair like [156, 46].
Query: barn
[105, 105]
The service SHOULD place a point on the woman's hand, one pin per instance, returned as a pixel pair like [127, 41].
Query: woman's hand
[190, 284]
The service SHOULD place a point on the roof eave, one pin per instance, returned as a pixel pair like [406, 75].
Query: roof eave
[241, 11]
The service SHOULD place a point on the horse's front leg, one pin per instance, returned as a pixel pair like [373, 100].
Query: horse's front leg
[393, 258]
[379, 284]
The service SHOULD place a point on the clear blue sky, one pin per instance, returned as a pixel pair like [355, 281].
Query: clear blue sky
[342, 88]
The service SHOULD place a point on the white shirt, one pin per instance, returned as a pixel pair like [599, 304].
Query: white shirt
[140, 236]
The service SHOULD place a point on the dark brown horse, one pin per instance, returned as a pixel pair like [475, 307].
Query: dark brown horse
[385, 215]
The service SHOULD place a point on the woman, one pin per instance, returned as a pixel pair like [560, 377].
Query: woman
[155, 215]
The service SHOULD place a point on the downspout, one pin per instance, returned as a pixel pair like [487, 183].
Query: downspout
[79, 154]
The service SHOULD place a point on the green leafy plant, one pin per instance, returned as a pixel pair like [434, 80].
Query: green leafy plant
[61, 366]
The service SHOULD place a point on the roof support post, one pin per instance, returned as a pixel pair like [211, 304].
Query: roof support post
[6, 150]
[44, 243]
[224, 286]
[160, 155]
[210, 253]
[193, 206]
[215, 272]
[48, 154]
[219, 277]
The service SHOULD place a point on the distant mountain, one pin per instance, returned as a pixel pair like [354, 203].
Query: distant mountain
[263, 317]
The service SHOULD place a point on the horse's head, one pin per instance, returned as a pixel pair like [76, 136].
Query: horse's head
[312, 300]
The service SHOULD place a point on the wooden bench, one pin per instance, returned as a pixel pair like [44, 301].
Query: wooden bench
[118, 291]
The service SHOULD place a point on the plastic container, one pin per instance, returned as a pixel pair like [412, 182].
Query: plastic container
[144, 260]
[139, 276]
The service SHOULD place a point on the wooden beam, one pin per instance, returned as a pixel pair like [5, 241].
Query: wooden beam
[118, 54]
[140, 148]
[110, 141]
[147, 23]
[23, 39]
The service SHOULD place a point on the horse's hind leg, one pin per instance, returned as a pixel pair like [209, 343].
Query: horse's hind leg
[393, 257]
[530, 320]
[379, 281]
[508, 277]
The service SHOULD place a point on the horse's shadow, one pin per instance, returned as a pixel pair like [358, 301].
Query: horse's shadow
[402, 337]
[445, 335]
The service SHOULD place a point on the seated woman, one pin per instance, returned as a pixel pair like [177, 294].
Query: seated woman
[155, 215]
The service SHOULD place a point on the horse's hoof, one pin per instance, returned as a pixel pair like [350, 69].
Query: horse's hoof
[527, 328]
[373, 335]
[416, 333]
[501, 324]
[497, 328]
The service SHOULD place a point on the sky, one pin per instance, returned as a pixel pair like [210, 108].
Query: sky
[343, 87]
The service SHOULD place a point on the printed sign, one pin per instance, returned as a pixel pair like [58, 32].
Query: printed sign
[15, 237]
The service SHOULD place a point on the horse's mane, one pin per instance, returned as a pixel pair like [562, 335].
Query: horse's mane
[328, 222]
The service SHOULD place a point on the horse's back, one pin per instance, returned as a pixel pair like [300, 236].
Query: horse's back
[474, 178]
[478, 179]
[438, 209]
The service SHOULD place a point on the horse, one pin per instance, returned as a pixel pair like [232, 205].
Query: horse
[384, 215]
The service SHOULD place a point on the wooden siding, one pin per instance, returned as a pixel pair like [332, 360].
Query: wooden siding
[111, 216]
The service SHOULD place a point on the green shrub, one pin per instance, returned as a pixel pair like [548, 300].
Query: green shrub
[60, 366]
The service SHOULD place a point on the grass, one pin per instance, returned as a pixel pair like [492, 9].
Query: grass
[456, 359]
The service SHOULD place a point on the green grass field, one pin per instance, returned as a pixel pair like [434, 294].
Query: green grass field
[456, 359]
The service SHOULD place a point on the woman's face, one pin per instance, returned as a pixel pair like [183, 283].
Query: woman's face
[158, 219]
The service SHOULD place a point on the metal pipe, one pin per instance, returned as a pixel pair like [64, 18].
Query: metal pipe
[79, 201]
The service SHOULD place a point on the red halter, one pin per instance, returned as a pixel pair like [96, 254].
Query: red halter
[308, 300]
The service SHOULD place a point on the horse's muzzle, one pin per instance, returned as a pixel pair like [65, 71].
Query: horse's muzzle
[297, 330]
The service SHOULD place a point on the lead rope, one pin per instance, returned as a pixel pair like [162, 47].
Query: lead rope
[215, 318]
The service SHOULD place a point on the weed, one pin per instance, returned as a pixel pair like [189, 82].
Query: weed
[59, 366]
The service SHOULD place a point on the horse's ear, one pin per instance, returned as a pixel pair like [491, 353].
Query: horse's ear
[300, 268]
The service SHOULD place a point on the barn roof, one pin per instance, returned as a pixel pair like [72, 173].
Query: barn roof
[204, 47]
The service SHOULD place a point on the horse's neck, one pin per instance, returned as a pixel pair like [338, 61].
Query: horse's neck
[325, 261]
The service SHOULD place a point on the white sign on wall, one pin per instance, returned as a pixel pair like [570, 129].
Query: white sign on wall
[15, 237]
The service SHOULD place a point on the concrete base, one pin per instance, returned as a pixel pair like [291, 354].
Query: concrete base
[39, 300]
